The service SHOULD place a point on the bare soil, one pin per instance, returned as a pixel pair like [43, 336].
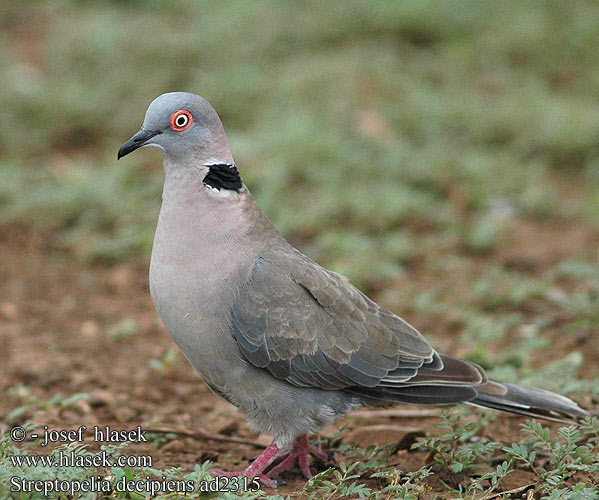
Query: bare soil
[59, 334]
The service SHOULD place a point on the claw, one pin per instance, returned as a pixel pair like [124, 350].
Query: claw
[256, 468]
[270, 483]
[299, 453]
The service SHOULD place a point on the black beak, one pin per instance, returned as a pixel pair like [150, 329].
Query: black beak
[137, 141]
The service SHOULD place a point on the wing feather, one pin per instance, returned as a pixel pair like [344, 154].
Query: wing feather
[312, 328]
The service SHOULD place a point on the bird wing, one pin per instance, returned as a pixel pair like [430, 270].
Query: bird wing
[312, 328]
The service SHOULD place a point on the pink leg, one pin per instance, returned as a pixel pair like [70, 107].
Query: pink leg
[304, 465]
[257, 467]
[310, 449]
[299, 452]
[285, 464]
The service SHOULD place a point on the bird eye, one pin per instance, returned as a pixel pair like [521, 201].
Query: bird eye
[181, 120]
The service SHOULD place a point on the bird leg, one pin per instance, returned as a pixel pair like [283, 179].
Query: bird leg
[257, 467]
[299, 452]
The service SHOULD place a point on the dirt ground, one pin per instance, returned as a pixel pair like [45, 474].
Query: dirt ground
[62, 331]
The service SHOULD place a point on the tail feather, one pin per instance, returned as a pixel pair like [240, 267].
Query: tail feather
[452, 380]
[528, 402]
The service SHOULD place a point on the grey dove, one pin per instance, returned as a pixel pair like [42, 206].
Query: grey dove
[292, 345]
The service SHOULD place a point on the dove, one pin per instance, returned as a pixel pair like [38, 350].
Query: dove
[293, 345]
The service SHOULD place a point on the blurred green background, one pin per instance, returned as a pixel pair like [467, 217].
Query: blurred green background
[376, 135]
[360, 127]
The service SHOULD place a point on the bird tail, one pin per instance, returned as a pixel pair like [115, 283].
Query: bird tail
[528, 402]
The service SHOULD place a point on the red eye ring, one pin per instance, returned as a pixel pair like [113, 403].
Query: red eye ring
[181, 120]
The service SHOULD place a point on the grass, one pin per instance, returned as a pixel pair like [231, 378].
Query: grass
[471, 466]
[382, 138]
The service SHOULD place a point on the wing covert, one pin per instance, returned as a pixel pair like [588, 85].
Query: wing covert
[311, 327]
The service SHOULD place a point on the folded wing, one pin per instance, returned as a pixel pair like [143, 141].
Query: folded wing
[311, 327]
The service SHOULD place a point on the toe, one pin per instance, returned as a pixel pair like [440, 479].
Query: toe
[304, 465]
[284, 465]
[270, 483]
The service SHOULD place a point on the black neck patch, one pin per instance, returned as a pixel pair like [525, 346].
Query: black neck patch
[223, 176]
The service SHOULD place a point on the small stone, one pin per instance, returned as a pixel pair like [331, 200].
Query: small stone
[121, 277]
[90, 328]
[557, 296]
[175, 446]
[101, 398]
[9, 311]
[124, 414]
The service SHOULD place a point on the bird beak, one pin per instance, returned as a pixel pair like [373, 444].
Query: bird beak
[137, 141]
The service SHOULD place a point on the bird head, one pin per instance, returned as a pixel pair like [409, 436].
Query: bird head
[185, 128]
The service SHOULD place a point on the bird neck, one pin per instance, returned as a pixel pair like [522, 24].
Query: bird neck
[217, 174]
[226, 211]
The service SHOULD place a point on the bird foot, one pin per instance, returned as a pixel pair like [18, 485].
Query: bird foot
[256, 468]
[299, 453]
